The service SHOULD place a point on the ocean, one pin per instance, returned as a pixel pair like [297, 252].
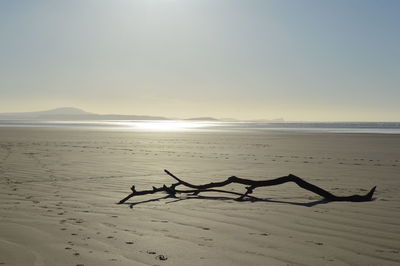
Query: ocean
[200, 126]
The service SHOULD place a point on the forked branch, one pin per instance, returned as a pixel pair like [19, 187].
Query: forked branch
[251, 185]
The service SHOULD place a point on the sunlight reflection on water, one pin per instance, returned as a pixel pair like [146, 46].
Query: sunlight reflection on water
[201, 126]
[170, 125]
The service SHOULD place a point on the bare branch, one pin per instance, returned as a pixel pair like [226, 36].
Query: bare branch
[251, 186]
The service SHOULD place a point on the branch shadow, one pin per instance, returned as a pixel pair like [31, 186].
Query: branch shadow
[221, 198]
[132, 204]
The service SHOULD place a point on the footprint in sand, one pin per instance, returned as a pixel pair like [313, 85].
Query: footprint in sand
[388, 251]
[316, 243]
[161, 257]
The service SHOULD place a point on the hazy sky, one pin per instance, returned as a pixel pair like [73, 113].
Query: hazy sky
[300, 60]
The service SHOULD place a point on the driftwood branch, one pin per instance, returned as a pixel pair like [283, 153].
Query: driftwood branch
[251, 185]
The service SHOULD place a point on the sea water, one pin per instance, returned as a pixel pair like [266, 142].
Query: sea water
[198, 126]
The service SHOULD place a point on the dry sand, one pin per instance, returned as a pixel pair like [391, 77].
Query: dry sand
[58, 189]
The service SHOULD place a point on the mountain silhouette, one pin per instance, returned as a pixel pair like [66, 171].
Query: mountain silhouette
[72, 113]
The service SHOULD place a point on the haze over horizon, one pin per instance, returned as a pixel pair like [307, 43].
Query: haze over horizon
[299, 60]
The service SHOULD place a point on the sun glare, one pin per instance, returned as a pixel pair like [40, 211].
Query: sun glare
[164, 125]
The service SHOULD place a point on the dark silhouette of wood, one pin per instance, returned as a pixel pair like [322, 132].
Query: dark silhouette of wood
[251, 185]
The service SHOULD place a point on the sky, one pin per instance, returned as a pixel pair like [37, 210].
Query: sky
[314, 60]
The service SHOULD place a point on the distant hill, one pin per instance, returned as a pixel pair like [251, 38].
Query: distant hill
[71, 113]
[277, 120]
[203, 119]
[63, 111]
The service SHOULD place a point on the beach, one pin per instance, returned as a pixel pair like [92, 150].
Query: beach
[59, 188]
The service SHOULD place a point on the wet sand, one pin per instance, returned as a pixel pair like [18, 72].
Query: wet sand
[59, 188]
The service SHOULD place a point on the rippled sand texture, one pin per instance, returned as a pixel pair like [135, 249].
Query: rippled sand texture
[58, 189]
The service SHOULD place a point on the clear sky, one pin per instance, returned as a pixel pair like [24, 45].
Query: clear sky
[314, 60]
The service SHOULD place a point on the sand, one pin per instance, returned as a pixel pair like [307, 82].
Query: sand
[59, 188]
